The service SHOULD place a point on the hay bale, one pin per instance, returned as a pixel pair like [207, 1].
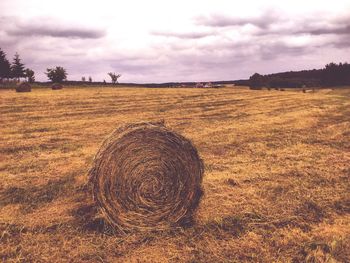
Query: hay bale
[56, 86]
[146, 177]
[24, 87]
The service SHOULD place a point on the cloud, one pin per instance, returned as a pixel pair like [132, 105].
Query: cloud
[52, 31]
[183, 35]
[334, 30]
[315, 24]
[262, 21]
[343, 42]
[42, 26]
[278, 49]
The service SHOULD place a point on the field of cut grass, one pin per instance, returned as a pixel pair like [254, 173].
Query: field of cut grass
[277, 168]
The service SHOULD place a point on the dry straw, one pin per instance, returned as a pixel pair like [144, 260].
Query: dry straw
[146, 177]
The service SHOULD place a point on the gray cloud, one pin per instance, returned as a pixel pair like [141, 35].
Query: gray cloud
[52, 31]
[335, 30]
[313, 25]
[183, 35]
[215, 20]
[343, 42]
[16, 27]
[277, 49]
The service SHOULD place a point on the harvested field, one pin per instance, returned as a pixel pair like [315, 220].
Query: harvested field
[276, 184]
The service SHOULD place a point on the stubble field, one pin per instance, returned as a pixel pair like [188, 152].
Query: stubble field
[277, 174]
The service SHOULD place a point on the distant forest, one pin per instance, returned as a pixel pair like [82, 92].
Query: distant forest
[331, 75]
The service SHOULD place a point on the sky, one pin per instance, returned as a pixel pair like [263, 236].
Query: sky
[184, 40]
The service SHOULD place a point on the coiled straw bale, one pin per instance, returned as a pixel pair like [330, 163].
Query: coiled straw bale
[146, 177]
[24, 87]
[56, 86]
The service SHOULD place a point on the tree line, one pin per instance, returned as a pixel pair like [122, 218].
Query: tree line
[17, 70]
[331, 75]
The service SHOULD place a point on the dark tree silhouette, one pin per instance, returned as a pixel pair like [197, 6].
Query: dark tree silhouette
[5, 67]
[30, 75]
[17, 68]
[83, 79]
[56, 75]
[257, 80]
[336, 74]
[114, 77]
[331, 75]
[90, 79]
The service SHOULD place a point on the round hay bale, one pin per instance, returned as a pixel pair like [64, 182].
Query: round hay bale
[24, 87]
[146, 177]
[56, 86]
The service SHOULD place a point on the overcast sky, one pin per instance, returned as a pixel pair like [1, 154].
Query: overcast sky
[183, 40]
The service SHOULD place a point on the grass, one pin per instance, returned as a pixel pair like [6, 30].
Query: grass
[276, 182]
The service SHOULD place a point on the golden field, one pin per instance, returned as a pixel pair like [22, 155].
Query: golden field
[277, 174]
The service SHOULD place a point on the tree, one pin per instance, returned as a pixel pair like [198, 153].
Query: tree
[83, 79]
[57, 74]
[114, 77]
[257, 81]
[336, 74]
[5, 67]
[30, 75]
[90, 79]
[17, 68]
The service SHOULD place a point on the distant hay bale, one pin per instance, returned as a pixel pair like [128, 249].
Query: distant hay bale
[146, 177]
[24, 87]
[255, 88]
[56, 86]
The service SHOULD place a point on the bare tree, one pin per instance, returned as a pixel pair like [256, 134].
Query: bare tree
[114, 77]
